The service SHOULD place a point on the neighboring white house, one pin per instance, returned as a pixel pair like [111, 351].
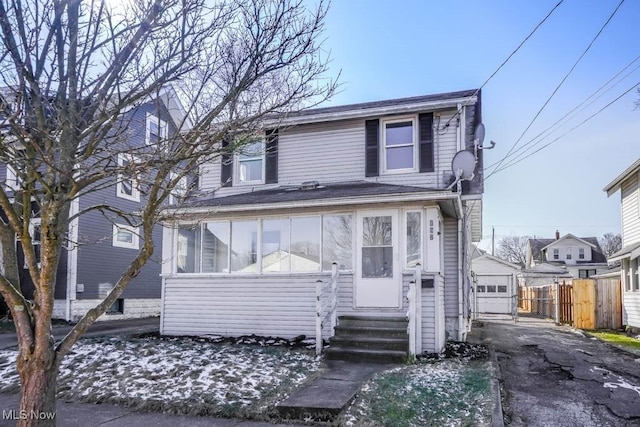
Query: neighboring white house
[581, 257]
[628, 182]
[495, 285]
[368, 187]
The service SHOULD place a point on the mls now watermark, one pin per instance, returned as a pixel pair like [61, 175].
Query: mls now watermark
[28, 415]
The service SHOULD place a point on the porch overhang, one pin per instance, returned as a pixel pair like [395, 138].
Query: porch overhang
[614, 185]
[339, 195]
[629, 251]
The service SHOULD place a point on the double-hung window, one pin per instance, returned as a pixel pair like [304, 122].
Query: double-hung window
[156, 130]
[399, 144]
[35, 231]
[179, 190]
[127, 184]
[249, 164]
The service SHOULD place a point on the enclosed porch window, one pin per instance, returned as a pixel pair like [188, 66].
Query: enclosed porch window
[289, 244]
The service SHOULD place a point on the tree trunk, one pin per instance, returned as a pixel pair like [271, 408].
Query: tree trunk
[38, 396]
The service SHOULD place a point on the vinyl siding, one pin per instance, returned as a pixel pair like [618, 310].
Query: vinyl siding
[451, 267]
[433, 322]
[631, 309]
[278, 305]
[474, 209]
[335, 152]
[99, 262]
[630, 211]
[451, 287]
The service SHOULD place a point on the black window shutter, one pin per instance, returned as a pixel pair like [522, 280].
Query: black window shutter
[271, 157]
[227, 165]
[426, 142]
[372, 130]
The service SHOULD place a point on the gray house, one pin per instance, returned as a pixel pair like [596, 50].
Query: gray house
[628, 183]
[99, 247]
[349, 213]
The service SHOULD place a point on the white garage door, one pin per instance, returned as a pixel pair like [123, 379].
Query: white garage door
[494, 294]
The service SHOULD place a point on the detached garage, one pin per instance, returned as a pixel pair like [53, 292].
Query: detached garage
[494, 286]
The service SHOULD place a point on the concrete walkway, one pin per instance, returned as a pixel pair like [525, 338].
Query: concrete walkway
[330, 393]
[90, 415]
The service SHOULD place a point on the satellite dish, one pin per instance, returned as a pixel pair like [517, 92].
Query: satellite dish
[479, 139]
[463, 165]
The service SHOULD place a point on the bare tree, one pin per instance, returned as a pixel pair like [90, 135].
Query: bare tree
[610, 243]
[71, 70]
[513, 249]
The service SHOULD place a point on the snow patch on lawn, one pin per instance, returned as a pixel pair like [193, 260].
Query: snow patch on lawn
[177, 375]
[444, 393]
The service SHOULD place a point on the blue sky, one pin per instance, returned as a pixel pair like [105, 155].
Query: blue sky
[390, 49]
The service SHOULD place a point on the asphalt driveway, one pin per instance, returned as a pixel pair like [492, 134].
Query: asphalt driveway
[558, 376]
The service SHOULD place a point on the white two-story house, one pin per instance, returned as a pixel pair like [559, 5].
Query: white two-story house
[362, 194]
[580, 257]
[628, 182]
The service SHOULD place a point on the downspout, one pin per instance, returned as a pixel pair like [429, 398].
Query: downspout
[462, 127]
[460, 280]
[72, 259]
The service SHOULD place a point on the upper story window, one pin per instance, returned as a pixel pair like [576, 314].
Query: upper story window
[179, 190]
[156, 130]
[399, 144]
[127, 184]
[568, 255]
[581, 253]
[35, 231]
[556, 254]
[253, 163]
[249, 164]
[12, 178]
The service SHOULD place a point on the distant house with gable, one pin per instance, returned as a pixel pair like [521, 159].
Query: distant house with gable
[580, 257]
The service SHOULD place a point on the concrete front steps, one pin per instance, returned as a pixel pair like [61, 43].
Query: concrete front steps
[369, 339]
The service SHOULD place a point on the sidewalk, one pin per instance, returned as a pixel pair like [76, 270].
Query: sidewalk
[90, 415]
[107, 327]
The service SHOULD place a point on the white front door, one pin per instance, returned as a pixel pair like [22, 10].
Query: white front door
[378, 279]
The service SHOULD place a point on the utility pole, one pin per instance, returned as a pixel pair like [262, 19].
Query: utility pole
[493, 241]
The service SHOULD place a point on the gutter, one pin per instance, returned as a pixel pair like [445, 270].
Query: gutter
[72, 259]
[359, 200]
[373, 111]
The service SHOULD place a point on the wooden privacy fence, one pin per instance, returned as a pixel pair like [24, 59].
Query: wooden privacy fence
[566, 303]
[586, 303]
[536, 300]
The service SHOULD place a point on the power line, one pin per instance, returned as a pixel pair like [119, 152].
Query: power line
[567, 132]
[557, 88]
[540, 137]
[508, 58]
